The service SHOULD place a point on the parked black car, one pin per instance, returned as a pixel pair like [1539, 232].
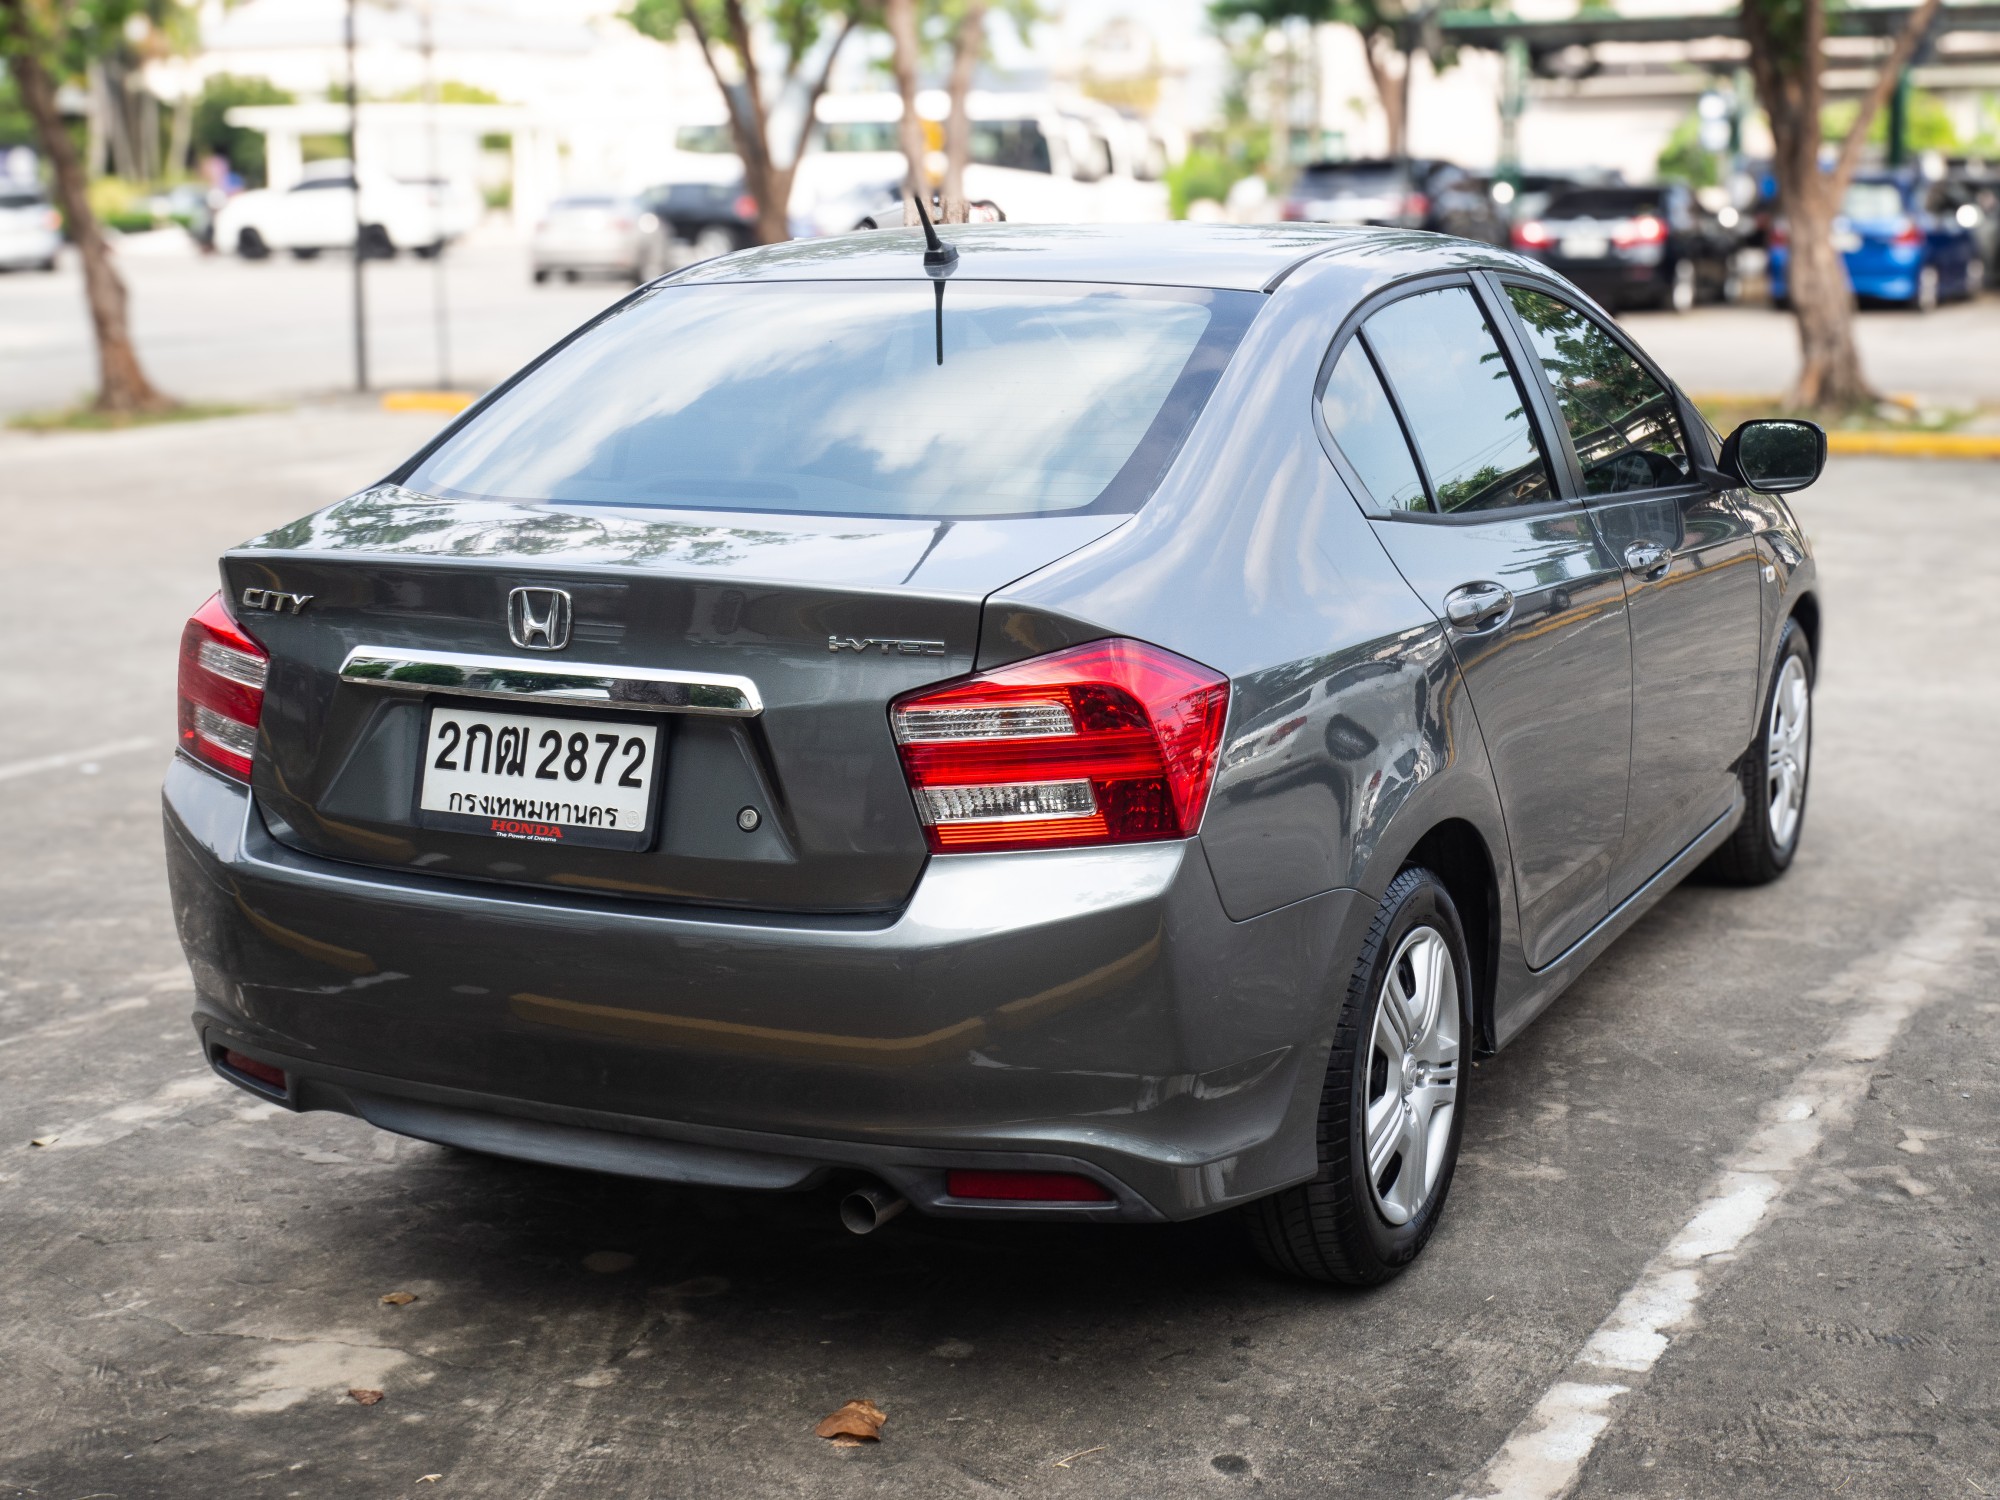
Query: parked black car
[1633, 246]
[1406, 193]
[712, 217]
[1975, 185]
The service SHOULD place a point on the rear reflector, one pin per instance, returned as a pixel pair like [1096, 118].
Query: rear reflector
[1109, 743]
[221, 690]
[249, 1067]
[1026, 1187]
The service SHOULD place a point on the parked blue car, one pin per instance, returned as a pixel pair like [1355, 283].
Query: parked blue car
[1903, 239]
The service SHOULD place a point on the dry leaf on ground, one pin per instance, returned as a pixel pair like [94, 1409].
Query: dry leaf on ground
[45, 1140]
[366, 1398]
[429, 1478]
[399, 1299]
[857, 1422]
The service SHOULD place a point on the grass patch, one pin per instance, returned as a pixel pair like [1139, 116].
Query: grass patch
[89, 419]
[1894, 414]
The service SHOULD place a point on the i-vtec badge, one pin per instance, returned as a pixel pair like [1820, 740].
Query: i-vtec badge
[275, 601]
[862, 643]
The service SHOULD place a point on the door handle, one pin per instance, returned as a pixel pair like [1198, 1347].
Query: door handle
[1648, 559]
[1478, 606]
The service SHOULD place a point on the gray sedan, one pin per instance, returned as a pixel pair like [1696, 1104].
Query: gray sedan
[1095, 723]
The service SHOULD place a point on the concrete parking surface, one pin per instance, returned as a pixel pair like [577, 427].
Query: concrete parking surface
[194, 1280]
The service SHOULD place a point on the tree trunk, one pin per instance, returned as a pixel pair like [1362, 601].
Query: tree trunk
[1787, 70]
[122, 386]
[967, 43]
[747, 126]
[1392, 88]
[900, 17]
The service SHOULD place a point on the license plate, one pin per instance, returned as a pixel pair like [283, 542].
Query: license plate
[545, 778]
[1585, 247]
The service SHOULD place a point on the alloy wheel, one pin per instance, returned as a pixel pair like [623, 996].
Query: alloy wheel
[1787, 745]
[1412, 1075]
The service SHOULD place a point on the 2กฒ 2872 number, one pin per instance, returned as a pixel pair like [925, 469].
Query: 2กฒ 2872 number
[554, 780]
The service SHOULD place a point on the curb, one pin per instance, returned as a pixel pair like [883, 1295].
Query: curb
[1916, 444]
[438, 401]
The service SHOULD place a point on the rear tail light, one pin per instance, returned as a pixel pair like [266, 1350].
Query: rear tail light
[1291, 210]
[1909, 234]
[221, 690]
[1533, 235]
[1026, 1187]
[1416, 205]
[1109, 743]
[52, 219]
[746, 207]
[1647, 229]
[1779, 236]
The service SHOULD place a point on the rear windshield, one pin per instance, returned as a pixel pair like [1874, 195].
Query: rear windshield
[20, 198]
[1873, 200]
[1603, 203]
[838, 398]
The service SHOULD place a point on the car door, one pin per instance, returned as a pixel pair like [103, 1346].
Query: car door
[1692, 585]
[1427, 419]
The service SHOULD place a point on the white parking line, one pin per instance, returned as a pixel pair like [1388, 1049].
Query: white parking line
[1547, 1452]
[78, 757]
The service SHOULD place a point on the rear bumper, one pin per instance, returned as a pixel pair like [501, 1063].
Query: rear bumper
[1085, 1010]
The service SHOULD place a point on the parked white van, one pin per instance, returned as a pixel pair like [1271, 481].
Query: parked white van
[1040, 161]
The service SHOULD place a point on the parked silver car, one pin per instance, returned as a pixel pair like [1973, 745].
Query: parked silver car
[597, 234]
[30, 229]
[1083, 722]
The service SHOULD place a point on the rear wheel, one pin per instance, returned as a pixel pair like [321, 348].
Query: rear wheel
[1773, 773]
[1392, 1107]
[250, 245]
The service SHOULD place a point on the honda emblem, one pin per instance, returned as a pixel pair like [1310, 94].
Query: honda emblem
[538, 619]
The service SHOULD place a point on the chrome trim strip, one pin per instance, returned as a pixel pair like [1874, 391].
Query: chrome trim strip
[542, 681]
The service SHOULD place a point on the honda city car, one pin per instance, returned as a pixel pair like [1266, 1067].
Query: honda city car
[1903, 240]
[1083, 723]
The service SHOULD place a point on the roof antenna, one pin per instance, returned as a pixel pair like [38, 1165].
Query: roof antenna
[936, 251]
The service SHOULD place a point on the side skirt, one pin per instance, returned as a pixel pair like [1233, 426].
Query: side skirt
[1539, 987]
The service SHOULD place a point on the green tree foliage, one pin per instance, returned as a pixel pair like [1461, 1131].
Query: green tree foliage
[1685, 159]
[212, 135]
[1929, 126]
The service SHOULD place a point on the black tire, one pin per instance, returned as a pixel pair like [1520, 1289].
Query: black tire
[1754, 854]
[305, 252]
[1332, 1228]
[541, 275]
[250, 245]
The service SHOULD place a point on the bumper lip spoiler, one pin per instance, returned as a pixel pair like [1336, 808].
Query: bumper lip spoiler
[586, 684]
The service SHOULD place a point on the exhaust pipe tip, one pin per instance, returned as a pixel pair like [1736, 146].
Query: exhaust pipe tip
[867, 1209]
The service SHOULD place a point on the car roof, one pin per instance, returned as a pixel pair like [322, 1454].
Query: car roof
[1226, 257]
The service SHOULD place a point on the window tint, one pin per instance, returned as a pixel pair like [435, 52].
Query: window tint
[1358, 414]
[1019, 144]
[1464, 409]
[835, 398]
[1605, 203]
[1620, 418]
[1873, 200]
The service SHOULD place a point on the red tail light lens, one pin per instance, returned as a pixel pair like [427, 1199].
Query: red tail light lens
[1909, 234]
[1416, 205]
[1647, 229]
[746, 207]
[1026, 1187]
[1533, 235]
[249, 1067]
[1780, 236]
[1109, 743]
[221, 690]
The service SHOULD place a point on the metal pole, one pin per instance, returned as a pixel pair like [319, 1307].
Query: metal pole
[1899, 120]
[360, 245]
[440, 317]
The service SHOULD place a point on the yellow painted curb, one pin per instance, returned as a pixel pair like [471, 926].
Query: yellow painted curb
[1917, 444]
[444, 401]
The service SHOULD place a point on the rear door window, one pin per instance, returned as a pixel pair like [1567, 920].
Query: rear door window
[1620, 419]
[1365, 427]
[1463, 405]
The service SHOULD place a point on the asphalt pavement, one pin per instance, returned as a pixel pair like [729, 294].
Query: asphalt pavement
[1725, 1224]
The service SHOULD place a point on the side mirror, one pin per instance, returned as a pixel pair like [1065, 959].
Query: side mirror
[1774, 455]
